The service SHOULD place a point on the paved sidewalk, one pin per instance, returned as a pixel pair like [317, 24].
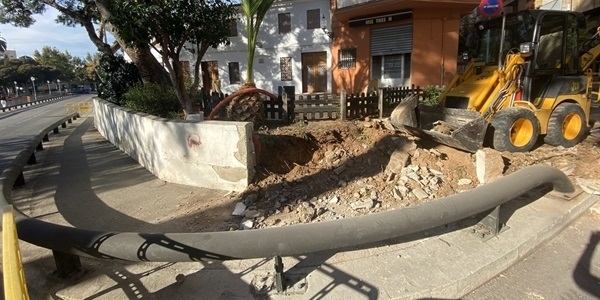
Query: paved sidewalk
[86, 182]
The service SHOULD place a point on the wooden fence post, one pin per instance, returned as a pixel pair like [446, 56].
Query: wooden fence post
[343, 108]
[380, 104]
[284, 106]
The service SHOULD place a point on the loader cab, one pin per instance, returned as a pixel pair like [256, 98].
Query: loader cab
[494, 42]
[554, 68]
[552, 39]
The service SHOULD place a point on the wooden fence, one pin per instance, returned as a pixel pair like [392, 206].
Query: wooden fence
[290, 107]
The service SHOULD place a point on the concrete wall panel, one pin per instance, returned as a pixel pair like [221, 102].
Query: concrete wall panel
[211, 154]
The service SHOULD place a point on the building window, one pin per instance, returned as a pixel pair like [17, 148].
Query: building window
[313, 19]
[285, 64]
[285, 23]
[392, 69]
[233, 28]
[347, 58]
[234, 73]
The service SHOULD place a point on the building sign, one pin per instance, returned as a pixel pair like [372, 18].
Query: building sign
[490, 8]
[380, 19]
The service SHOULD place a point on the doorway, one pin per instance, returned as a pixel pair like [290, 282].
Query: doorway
[314, 72]
[210, 74]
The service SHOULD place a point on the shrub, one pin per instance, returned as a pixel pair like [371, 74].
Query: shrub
[431, 95]
[153, 99]
[117, 77]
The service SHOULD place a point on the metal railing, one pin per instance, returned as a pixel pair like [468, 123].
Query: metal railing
[25, 103]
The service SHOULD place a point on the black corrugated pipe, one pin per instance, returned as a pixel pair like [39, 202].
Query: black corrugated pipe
[284, 241]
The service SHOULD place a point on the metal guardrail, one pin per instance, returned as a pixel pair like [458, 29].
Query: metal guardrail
[14, 279]
[30, 103]
[15, 286]
[68, 243]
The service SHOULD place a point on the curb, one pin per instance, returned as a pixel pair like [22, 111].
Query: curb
[465, 285]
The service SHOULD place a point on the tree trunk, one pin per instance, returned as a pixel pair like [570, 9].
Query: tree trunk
[150, 69]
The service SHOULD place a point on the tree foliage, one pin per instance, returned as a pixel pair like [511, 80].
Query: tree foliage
[117, 77]
[22, 69]
[64, 62]
[92, 15]
[153, 99]
[173, 24]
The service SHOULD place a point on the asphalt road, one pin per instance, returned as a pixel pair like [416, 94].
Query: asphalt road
[566, 267]
[17, 127]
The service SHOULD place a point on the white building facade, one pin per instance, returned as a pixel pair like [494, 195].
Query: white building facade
[292, 49]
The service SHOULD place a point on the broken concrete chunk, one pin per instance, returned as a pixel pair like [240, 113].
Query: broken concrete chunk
[250, 199]
[362, 204]
[464, 181]
[420, 193]
[589, 186]
[250, 214]
[489, 165]
[239, 209]
[247, 224]
[397, 162]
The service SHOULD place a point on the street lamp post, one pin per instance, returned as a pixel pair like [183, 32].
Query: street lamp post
[34, 91]
[58, 82]
[16, 88]
[49, 89]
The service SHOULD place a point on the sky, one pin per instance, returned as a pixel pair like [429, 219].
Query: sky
[46, 32]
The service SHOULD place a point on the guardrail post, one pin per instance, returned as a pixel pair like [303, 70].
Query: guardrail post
[45, 138]
[489, 226]
[55, 131]
[66, 264]
[64, 125]
[32, 160]
[279, 274]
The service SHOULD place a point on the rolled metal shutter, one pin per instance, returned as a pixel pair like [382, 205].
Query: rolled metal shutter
[391, 40]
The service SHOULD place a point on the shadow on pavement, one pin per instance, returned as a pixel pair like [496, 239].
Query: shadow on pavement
[582, 275]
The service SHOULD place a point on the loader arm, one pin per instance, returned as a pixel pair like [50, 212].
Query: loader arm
[590, 51]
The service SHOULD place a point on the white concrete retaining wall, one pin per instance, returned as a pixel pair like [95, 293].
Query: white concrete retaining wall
[211, 154]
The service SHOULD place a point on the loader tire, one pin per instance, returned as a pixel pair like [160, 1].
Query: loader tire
[515, 130]
[566, 126]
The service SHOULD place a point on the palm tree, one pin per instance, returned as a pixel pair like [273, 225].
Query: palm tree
[248, 106]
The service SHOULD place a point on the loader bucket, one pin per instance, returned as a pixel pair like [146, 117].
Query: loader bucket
[458, 128]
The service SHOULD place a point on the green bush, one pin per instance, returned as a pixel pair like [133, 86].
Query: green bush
[431, 95]
[117, 77]
[153, 99]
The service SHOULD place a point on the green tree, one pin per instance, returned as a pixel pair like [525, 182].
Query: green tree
[64, 62]
[174, 24]
[93, 16]
[22, 69]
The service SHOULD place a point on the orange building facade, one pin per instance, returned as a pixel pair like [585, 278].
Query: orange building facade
[396, 42]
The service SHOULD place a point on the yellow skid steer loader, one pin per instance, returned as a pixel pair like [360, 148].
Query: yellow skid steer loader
[530, 76]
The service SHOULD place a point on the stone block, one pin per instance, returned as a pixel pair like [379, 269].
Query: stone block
[489, 165]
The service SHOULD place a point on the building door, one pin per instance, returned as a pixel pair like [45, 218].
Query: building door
[314, 72]
[210, 74]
